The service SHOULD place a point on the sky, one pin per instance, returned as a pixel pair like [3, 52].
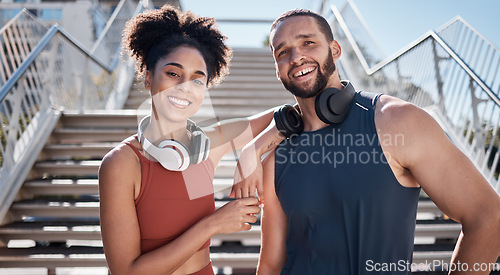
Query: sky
[393, 23]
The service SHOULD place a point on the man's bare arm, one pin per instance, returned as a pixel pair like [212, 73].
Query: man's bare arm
[274, 226]
[447, 176]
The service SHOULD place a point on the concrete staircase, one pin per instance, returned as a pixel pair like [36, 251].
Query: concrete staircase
[55, 221]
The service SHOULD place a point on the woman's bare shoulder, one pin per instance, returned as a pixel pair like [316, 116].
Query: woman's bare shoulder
[121, 162]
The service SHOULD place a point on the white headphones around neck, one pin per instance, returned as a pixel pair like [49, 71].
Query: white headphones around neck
[173, 155]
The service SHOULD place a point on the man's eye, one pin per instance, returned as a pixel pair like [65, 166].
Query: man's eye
[309, 42]
[282, 53]
[172, 74]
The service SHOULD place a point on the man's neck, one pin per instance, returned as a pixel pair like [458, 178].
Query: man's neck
[309, 117]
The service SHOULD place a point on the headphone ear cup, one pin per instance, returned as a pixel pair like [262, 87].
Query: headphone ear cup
[322, 106]
[288, 120]
[332, 105]
[180, 151]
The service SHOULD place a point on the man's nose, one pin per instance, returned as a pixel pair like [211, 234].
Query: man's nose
[296, 56]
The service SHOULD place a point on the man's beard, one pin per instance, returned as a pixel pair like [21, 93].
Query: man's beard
[319, 83]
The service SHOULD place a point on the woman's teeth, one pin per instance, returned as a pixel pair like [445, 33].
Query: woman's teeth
[178, 101]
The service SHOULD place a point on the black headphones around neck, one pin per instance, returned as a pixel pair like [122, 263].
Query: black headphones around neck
[331, 105]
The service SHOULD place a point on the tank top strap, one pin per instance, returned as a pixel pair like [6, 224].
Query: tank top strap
[136, 151]
[367, 99]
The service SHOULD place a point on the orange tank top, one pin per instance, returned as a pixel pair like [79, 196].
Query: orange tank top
[170, 202]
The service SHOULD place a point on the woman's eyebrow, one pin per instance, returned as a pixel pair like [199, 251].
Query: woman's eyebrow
[182, 67]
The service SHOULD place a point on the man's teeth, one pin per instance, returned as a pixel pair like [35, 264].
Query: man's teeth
[178, 101]
[303, 72]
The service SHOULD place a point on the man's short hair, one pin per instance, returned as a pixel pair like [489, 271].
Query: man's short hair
[323, 24]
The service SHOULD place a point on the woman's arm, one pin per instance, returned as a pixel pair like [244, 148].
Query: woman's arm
[248, 175]
[120, 229]
[232, 134]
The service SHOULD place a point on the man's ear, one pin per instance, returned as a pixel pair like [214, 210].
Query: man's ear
[336, 50]
[147, 80]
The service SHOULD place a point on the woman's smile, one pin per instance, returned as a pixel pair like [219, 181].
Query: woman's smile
[179, 102]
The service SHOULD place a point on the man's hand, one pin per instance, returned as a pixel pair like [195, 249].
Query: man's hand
[248, 175]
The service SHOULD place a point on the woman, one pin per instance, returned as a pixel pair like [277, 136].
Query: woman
[157, 204]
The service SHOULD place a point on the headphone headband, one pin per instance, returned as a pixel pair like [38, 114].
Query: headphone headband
[331, 105]
[172, 154]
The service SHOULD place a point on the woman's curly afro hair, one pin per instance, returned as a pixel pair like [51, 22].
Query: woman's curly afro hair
[152, 35]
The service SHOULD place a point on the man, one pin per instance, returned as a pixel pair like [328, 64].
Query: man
[339, 196]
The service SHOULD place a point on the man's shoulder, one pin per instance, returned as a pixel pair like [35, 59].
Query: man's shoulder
[392, 108]
[396, 115]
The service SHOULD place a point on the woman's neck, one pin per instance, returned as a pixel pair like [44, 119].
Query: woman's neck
[160, 129]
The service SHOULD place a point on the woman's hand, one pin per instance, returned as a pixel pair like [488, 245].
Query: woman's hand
[248, 175]
[235, 216]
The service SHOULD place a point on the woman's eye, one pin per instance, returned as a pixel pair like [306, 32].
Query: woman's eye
[198, 82]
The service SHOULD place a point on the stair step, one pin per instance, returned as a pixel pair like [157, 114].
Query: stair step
[102, 119]
[61, 187]
[248, 102]
[83, 230]
[52, 257]
[89, 207]
[427, 209]
[61, 208]
[250, 79]
[249, 86]
[52, 231]
[68, 151]
[263, 72]
[267, 59]
[225, 112]
[87, 151]
[90, 187]
[257, 96]
[67, 168]
[67, 208]
[249, 65]
[225, 169]
[80, 135]
[84, 256]
[58, 231]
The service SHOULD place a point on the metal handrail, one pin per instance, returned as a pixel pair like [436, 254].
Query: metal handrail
[108, 28]
[17, 17]
[113, 17]
[371, 70]
[476, 50]
[46, 39]
[59, 72]
[15, 31]
[433, 75]
[459, 18]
